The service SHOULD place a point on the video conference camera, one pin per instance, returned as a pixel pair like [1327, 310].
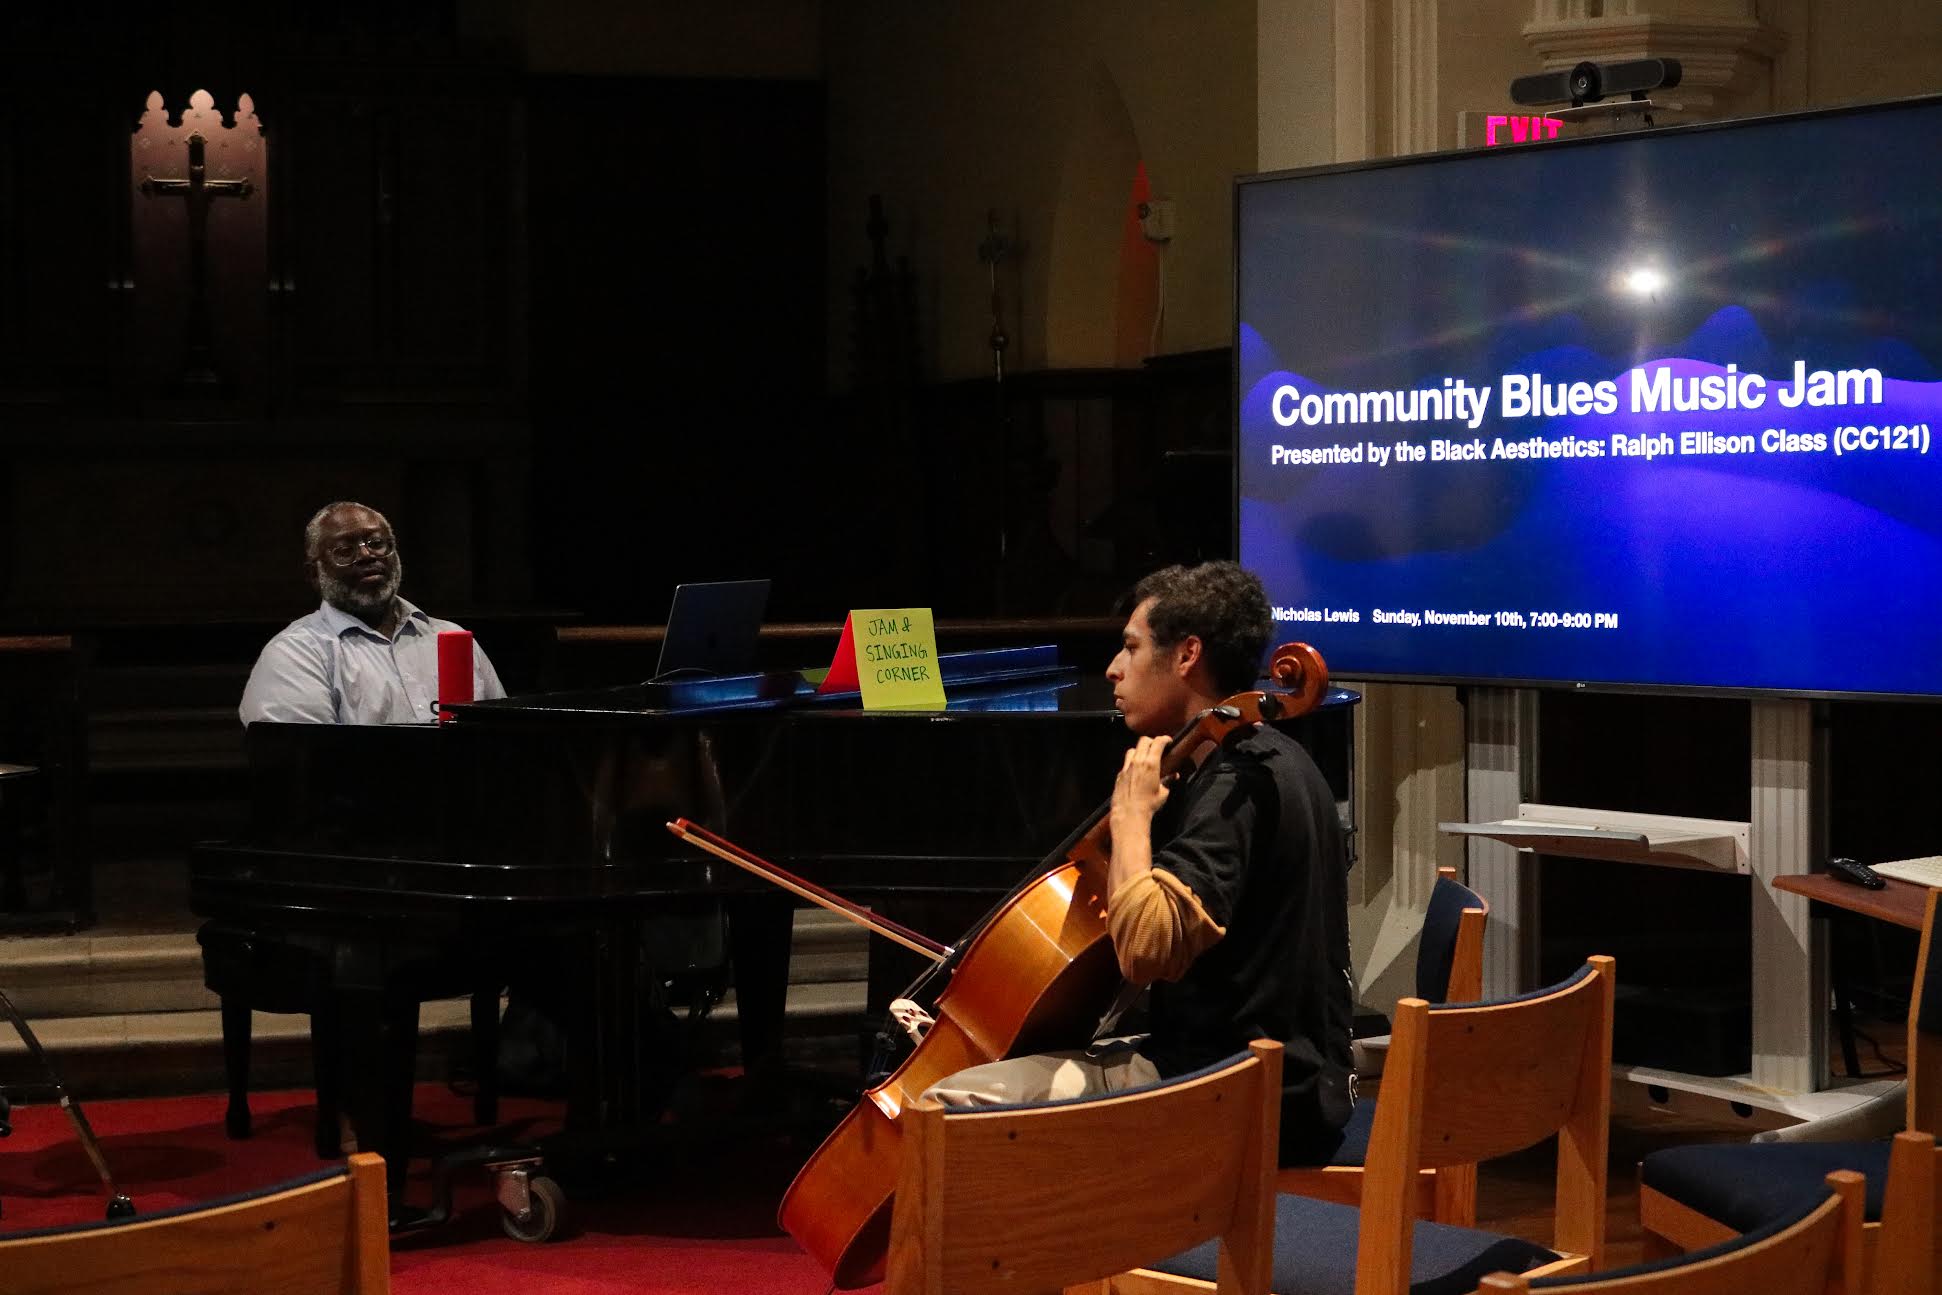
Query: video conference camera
[1590, 82]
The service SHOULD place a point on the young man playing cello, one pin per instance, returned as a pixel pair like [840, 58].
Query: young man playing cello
[1227, 890]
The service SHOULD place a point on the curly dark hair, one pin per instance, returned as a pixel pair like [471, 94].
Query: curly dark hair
[1220, 603]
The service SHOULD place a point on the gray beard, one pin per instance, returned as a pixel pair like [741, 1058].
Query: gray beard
[348, 598]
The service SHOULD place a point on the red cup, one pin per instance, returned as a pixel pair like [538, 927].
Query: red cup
[454, 670]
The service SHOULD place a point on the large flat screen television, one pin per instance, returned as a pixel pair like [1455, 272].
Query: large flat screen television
[1650, 410]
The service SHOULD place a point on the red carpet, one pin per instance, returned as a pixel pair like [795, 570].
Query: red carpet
[700, 1220]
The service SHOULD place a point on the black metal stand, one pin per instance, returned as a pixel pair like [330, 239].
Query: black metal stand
[119, 1206]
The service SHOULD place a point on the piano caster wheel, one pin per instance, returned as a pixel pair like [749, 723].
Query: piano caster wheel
[545, 1207]
[120, 1208]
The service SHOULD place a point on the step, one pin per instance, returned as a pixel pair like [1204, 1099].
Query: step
[178, 736]
[147, 1053]
[807, 1002]
[826, 947]
[128, 1014]
[154, 1053]
[96, 975]
[87, 975]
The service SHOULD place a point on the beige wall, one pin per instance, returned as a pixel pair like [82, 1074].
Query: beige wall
[1033, 110]
[1848, 51]
[1295, 98]
[1474, 71]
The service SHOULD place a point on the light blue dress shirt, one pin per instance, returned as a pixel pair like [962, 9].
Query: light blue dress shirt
[331, 668]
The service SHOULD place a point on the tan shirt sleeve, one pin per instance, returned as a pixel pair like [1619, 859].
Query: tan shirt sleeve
[1158, 927]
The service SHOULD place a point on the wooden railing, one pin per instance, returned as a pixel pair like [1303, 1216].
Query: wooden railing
[1034, 629]
[587, 656]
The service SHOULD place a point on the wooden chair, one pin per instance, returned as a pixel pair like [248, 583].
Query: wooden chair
[1465, 1082]
[1813, 1249]
[1449, 969]
[320, 1235]
[1694, 1197]
[1449, 953]
[1053, 1195]
[1904, 1256]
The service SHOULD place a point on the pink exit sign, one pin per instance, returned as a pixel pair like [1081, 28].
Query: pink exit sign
[1501, 129]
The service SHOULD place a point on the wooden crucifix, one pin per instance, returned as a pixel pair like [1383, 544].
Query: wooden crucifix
[200, 190]
[233, 173]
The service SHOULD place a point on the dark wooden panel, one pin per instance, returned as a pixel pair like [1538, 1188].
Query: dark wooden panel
[1093, 478]
[452, 182]
[395, 245]
[110, 526]
[62, 171]
[677, 339]
[326, 152]
[46, 814]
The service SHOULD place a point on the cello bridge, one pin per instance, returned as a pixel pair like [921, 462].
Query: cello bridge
[916, 1022]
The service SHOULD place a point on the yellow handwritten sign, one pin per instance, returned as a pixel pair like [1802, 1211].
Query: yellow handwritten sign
[896, 659]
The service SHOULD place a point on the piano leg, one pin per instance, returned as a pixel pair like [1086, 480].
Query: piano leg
[758, 940]
[326, 1048]
[485, 1055]
[400, 1061]
[376, 1040]
[236, 1046]
[599, 982]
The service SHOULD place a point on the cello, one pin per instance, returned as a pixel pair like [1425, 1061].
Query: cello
[1036, 971]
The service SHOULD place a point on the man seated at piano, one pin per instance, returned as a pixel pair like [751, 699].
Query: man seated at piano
[1227, 890]
[366, 655]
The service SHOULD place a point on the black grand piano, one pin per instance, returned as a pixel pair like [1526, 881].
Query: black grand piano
[532, 830]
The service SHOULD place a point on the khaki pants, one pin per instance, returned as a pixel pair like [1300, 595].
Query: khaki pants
[1108, 1066]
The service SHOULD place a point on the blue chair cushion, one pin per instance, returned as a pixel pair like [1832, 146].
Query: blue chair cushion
[1314, 1253]
[1802, 1210]
[1354, 1150]
[1747, 1185]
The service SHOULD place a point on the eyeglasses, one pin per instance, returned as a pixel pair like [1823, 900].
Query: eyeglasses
[344, 551]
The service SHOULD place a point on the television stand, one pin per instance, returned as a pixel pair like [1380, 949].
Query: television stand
[1782, 836]
[1715, 844]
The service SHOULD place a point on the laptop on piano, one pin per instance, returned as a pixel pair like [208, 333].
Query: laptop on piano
[712, 629]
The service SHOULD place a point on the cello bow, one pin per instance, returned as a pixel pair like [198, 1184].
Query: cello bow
[722, 848]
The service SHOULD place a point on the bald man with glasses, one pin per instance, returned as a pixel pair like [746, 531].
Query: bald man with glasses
[366, 655]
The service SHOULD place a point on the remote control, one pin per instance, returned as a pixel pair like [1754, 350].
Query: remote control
[1860, 874]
